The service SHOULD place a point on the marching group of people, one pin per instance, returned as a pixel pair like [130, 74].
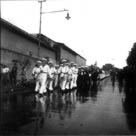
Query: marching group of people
[49, 76]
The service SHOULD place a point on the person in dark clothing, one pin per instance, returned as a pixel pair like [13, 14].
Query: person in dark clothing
[83, 81]
[113, 77]
[13, 74]
[86, 80]
[94, 76]
[120, 78]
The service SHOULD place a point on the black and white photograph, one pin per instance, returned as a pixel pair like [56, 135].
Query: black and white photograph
[67, 67]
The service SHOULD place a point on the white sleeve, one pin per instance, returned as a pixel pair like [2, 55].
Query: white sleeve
[33, 70]
[48, 70]
[76, 71]
[59, 70]
[41, 67]
[55, 70]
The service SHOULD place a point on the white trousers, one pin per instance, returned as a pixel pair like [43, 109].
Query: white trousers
[42, 79]
[37, 87]
[63, 81]
[68, 82]
[74, 81]
[67, 85]
[50, 84]
[56, 78]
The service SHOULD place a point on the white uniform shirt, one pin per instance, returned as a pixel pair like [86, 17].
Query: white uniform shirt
[63, 69]
[74, 70]
[36, 71]
[60, 69]
[66, 69]
[45, 69]
[70, 72]
[51, 72]
[56, 71]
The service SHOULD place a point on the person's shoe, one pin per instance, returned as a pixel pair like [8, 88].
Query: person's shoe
[35, 92]
[40, 95]
[44, 93]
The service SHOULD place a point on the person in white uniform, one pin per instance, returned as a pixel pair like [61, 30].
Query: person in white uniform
[43, 76]
[56, 77]
[69, 77]
[51, 75]
[60, 75]
[35, 73]
[74, 77]
[62, 71]
[37, 69]
[65, 71]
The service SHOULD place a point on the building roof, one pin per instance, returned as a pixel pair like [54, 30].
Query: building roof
[44, 40]
[55, 44]
[19, 31]
[69, 49]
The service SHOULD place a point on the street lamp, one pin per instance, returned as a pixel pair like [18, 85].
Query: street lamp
[40, 23]
[67, 17]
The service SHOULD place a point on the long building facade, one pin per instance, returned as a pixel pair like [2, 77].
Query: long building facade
[22, 47]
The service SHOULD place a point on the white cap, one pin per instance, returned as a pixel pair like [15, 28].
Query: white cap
[50, 62]
[64, 60]
[38, 61]
[56, 65]
[44, 59]
[67, 63]
[72, 62]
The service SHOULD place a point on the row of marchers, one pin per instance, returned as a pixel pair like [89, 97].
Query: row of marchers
[49, 76]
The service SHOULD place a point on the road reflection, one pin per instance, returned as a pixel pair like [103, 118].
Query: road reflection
[129, 105]
[60, 103]
[129, 100]
[30, 113]
[16, 110]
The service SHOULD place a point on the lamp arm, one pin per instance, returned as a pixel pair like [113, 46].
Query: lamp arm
[55, 11]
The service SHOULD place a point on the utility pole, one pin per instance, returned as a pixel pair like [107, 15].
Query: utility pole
[40, 24]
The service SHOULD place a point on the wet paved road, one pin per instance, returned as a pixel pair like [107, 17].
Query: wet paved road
[100, 111]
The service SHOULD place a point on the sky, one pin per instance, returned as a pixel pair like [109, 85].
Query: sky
[99, 30]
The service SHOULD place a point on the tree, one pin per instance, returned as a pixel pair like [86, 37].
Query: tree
[131, 60]
[107, 67]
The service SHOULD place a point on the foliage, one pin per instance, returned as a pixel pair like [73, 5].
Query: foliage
[107, 67]
[131, 60]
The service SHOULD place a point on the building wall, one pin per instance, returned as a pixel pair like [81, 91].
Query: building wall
[67, 55]
[12, 41]
[80, 61]
[17, 47]
[27, 62]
